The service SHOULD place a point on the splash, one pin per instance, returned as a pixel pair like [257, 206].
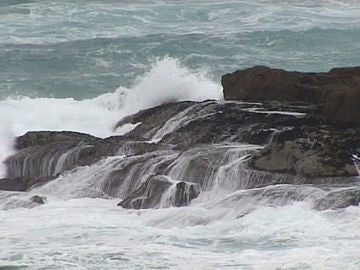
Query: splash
[166, 81]
[6, 144]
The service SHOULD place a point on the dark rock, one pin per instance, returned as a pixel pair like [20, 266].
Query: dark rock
[130, 172]
[316, 151]
[193, 139]
[298, 144]
[134, 148]
[38, 199]
[40, 138]
[184, 193]
[151, 193]
[210, 122]
[44, 153]
[148, 195]
[22, 183]
[152, 118]
[337, 91]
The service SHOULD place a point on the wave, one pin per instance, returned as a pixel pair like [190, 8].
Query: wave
[166, 81]
[71, 20]
[64, 70]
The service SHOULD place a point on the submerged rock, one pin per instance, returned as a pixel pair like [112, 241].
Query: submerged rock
[13, 201]
[319, 196]
[339, 199]
[336, 91]
[38, 199]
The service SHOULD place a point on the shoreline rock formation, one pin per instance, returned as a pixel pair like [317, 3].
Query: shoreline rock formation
[275, 127]
[324, 147]
[337, 92]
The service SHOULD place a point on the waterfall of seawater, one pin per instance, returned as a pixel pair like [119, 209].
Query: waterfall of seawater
[356, 161]
[154, 174]
[216, 168]
[214, 172]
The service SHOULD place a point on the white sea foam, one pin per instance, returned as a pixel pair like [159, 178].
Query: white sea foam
[166, 81]
[6, 144]
[94, 232]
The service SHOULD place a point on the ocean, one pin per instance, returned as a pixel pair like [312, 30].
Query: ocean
[84, 65]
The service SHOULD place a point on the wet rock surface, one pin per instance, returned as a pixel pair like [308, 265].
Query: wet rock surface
[161, 191]
[179, 150]
[22, 183]
[339, 199]
[312, 151]
[148, 195]
[45, 153]
[214, 122]
[153, 118]
[337, 92]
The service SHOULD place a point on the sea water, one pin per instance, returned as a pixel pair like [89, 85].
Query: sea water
[83, 65]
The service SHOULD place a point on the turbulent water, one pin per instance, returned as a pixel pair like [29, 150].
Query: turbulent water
[83, 65]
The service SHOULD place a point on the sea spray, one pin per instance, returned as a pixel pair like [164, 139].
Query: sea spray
[166, 81]
[6, 144]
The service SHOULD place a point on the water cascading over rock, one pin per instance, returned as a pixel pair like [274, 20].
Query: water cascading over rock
[180, 152]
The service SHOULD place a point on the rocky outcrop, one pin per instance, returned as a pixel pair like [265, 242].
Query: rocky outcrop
[153, 118]
[161, 190]
[297, 140]
[337, 92]
[42, 156]
[200, 144]
[41, 138]
[130, 172]
[311, 151]
[22, 183]
[212, 122]
[318, 145]
[46, 154]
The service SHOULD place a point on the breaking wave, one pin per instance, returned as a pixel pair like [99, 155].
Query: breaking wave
[166, 81]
